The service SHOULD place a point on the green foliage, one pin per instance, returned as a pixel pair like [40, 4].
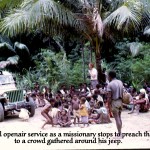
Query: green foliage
[53, 17]
[25, 82]
[53, 70]
[124, 70]
[133, 70]
[75, 54]
[141, 69]
[47, 15]
[53, 67]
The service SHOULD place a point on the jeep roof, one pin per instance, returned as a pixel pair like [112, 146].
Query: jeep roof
[7, 82]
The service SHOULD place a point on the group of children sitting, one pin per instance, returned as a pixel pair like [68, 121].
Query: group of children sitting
[75, 106]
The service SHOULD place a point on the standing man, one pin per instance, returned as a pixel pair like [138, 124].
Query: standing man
[94, 75]
[115, 95]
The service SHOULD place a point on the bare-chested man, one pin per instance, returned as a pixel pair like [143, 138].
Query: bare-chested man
[45, 113]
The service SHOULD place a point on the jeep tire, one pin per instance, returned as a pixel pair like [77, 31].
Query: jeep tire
[1, 113]
[32, 107]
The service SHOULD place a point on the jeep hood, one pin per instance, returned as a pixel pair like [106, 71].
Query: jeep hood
[6, 88]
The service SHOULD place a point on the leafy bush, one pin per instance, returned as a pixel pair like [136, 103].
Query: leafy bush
[53, 69]
[133, 70]
[25, 81]
[141, 70]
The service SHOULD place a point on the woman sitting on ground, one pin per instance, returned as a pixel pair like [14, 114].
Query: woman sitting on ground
[141, 105]
[101, 115]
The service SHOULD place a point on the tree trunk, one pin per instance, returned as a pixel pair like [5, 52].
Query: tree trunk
[98, 66]
[90, 53]
[101, 75]
[83, 59]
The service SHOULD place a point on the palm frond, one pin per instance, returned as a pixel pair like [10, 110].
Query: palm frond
[10, 61]
[7, 4]
[146, 4]
[4, 3]
[36, 14]
[23, 52]
[74, 5]
[135, 48]
[13, 60]
[147, 30]
[125, 16]
[15, 23]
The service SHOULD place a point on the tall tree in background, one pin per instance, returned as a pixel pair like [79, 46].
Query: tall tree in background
[87, 17]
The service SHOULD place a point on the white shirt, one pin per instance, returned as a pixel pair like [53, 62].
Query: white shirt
[93, 73]
[102, 110]
[87, 105]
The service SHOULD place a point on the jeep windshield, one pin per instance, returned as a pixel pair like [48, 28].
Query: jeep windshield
[6, 79]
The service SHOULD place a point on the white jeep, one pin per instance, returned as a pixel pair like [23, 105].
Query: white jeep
[12, 98]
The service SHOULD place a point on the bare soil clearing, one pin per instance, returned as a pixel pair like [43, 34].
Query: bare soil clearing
[134, 127]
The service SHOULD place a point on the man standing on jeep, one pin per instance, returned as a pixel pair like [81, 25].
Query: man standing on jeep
[115, 95]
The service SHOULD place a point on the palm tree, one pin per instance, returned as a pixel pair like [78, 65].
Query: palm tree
[7, 4]
[85, 16]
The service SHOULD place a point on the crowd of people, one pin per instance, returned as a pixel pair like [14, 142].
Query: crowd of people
[83, 105]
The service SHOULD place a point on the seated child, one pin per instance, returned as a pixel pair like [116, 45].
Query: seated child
[45, 112]
[58, 99]
[83, 112]
[34, 97]
[64, 119]
[101, 115]
[92, 102]
[41, 100]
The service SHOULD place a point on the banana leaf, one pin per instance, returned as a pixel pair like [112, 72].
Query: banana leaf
[22, 51]
[6, 50]
[10, 61]
[147, 31]
[13, 60]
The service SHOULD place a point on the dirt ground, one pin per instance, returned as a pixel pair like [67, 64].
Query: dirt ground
[132, 123]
